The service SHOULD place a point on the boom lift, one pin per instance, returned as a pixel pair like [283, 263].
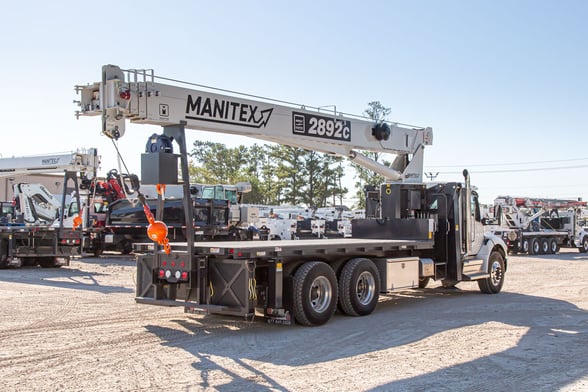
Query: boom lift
[38, 234]
[420, 231]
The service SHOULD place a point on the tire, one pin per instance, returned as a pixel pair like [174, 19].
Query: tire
[423, 282]
[48, 262]
[127, 247]
[29, 261]
[493, 284]
[545, 246]
[534, 246]
[359, 287]
[315, 293]
[553, 246]
[525, 246]
[584, 245]
[448, 284]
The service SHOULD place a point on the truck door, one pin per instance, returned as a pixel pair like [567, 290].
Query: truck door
[476, 234]
[444, 203]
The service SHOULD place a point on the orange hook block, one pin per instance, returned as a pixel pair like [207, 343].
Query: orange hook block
[157, 230]
[77, 221]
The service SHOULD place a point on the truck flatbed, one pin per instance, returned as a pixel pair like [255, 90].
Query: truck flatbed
[545, 233]
[298, 248]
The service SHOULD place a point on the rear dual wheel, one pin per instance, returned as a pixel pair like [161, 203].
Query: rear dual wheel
[317, 293]
[359, 287]
[526, 246]
[543, 246]
[553, 246]
[48, 262]
[535, 246]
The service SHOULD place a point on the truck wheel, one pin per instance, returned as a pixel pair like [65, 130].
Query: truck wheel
[29, 261]
[534, 246]
[359, 287]
[48, 262]
[315, 293]
[553, 246]
[423, 282]
[525, 246]
[127, 247]
[448, 284]
[493, 284]
[584, 246]
[545, 246]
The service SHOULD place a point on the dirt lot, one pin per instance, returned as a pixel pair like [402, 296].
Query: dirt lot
[78, 329]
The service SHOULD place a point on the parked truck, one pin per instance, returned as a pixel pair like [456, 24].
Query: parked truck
[34, 232]
[216, 209]
[420, 231]
[541, 225]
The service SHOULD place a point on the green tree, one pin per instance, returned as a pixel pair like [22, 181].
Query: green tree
[376, 111]
[290, 173]
[217, 164]
[324, 173]
[260, 172]
[278, 174]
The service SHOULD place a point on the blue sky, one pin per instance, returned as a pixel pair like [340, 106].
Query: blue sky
[502, 83]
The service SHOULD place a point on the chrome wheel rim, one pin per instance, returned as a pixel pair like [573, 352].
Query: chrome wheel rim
[366, 287]
[320, 294]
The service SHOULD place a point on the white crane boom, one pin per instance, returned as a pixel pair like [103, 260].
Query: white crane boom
[136, 96]
[81, 161]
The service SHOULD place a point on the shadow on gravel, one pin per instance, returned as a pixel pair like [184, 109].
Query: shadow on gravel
[213, 329]
[109, 259]
[64, 278]
[551, 352]
[556, 338]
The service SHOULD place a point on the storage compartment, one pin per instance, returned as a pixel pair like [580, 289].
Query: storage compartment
[398, 273]
[232, 286]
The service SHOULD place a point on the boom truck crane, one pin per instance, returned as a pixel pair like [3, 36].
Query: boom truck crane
[421, 231]
[541, 225]
[38, 233]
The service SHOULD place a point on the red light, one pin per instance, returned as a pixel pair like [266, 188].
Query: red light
[173, 263]
[182, 264]
[239, 254]
[164, 263]
[184, 275]
[161, 273]
[231, 251]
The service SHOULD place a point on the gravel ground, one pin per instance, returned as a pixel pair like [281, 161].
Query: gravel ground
[78, 328]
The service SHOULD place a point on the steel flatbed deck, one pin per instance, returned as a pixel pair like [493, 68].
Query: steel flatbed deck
[297, 248]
